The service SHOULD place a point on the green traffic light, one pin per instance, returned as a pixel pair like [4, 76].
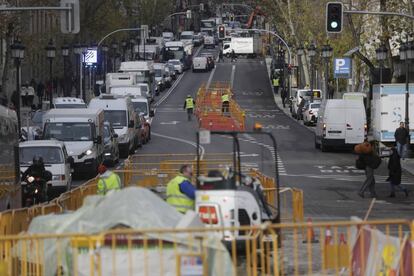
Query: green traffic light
[334, 24]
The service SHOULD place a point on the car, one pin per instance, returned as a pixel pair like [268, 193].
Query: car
[178, 65]
[310, 113]
[200, 64]
[145, 129]
[306, 94]
[111, 148]
[198, 39]
[209, 42]
[172, 71]
[168, 76]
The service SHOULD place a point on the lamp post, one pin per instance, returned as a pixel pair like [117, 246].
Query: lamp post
[17, 52]
[381, 54]
[406, 56]
[51, 53]
[77, 49]
[114, 47]
[84, 50]
[312, 54]
[65, 54]
[105, 50]
[132, 44]
[327, 52]
[300, 51]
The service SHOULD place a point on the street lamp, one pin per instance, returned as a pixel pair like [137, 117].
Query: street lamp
[84, 50]
[114, 46]
[65, 54]
[381, 54]
[407, 55]
[327, 52]
[105, 50]
[132, 44]
[300, 52]
[17, 52]
[312, 54]
[51, 54]
[77, 49]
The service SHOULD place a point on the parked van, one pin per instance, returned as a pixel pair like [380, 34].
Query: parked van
[81, 129]
[68, 102]
[55, 158]
[306, 94]
[341, 123]
[120, 112]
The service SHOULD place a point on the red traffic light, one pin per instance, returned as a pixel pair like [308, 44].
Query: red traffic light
[221, 32]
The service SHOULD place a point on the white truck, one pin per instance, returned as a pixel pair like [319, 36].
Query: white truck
[187, 37]
[143, 72]
[81, 129]
[249, 46]
[209, 42]
[388, 110]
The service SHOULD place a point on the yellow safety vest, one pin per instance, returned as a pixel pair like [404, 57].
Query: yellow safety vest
[225, 98]
[275, 82]
[107, 183]
[176, 198]
[189, 103]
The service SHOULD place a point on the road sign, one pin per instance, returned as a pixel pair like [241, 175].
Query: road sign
[342, 68]
[69, 19]
[91, 56]
[205, 137]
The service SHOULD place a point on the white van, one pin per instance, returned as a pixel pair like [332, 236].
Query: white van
[341, 123]
[120, 112]
[167, 36]
[187, 36]
[81, 129]
[68, 102]
[142, 106]
[306, 95]
[200, 64]
[55, 158]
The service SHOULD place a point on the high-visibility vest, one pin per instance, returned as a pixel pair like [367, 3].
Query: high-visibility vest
[108, 182]
[225, 98]
[275, 82]
[176, 198]
[189, 103]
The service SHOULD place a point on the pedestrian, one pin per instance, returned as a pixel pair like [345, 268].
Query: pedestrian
[23, 95]
[108, 180]
[189, 106]
[331, 91]
[221, 56]
[276, 84]
[394, 173]
[40, 92]
[225, 103]
[283, 95]
[233, 56]
[15, 100]
[180, 191]
[369, 161]
[49, 88]
[30, 94]
[401, 136]
[300, 108]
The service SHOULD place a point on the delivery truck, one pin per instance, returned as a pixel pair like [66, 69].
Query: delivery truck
[248, 46]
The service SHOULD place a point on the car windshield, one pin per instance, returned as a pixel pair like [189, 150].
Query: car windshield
[118, 118]
[70, 105]
[68, 131]
[315, 105]
[50, 155]
[140, 107]
[174, 62]
[175, 54]
[186, 37]
[158, 73]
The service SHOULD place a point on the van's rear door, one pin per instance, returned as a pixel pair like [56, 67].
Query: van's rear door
[355, 126]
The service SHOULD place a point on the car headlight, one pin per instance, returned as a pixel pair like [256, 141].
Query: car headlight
[88, 152]
[159, 83]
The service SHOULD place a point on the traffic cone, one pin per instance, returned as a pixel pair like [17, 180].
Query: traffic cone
[328, 236]
[342, 240]
[310, 234]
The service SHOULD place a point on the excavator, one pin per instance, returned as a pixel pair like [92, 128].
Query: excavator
[255, 12]
[230, 197]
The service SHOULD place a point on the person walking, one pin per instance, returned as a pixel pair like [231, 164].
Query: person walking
[394, 173]
[283, 95]
[331, 91]
[180, 191]
[233, 56]
[225, 103]
[30, 94]
[108, 180]
[276, 84]
[401, 136]
[300, 108]
[189, 106]
[221, 56]
[40, 90]
[24, 95]
[369, 161]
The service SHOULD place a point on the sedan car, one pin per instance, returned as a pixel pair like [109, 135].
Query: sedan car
[111, 149]
[178, 66]
[310, 113]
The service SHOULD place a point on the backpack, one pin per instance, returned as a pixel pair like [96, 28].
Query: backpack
[376, 161]
[359, 163]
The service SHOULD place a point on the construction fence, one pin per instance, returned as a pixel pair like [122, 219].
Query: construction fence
[209, 109]
[329, 248]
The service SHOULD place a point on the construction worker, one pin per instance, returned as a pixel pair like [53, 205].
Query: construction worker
[276, 84]
[180, 191]
[108, 180]
[225, 103]
[189, 106]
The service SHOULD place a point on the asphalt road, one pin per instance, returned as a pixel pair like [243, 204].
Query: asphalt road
[329, 180]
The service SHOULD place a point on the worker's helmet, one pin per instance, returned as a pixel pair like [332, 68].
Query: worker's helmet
[188, 96]
[37, 160]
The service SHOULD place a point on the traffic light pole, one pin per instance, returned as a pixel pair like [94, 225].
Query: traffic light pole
[381, 13]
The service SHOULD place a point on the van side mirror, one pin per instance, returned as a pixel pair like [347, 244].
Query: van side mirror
[151, 113]
[115, 135]
[98, 140]
[71, 161]
[131, 124]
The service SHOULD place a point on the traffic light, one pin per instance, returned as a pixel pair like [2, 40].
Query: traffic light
[221, 32]
[334, 17]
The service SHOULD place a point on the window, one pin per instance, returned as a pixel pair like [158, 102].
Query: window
[69, 131]
[50, 155]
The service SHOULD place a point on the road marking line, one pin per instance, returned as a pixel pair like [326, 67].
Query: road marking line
[233, 71]
[202, 150]
[211, 77]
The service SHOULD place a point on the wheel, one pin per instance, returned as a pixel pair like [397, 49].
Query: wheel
[149, 135]
[323, 147]
[317, 146]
